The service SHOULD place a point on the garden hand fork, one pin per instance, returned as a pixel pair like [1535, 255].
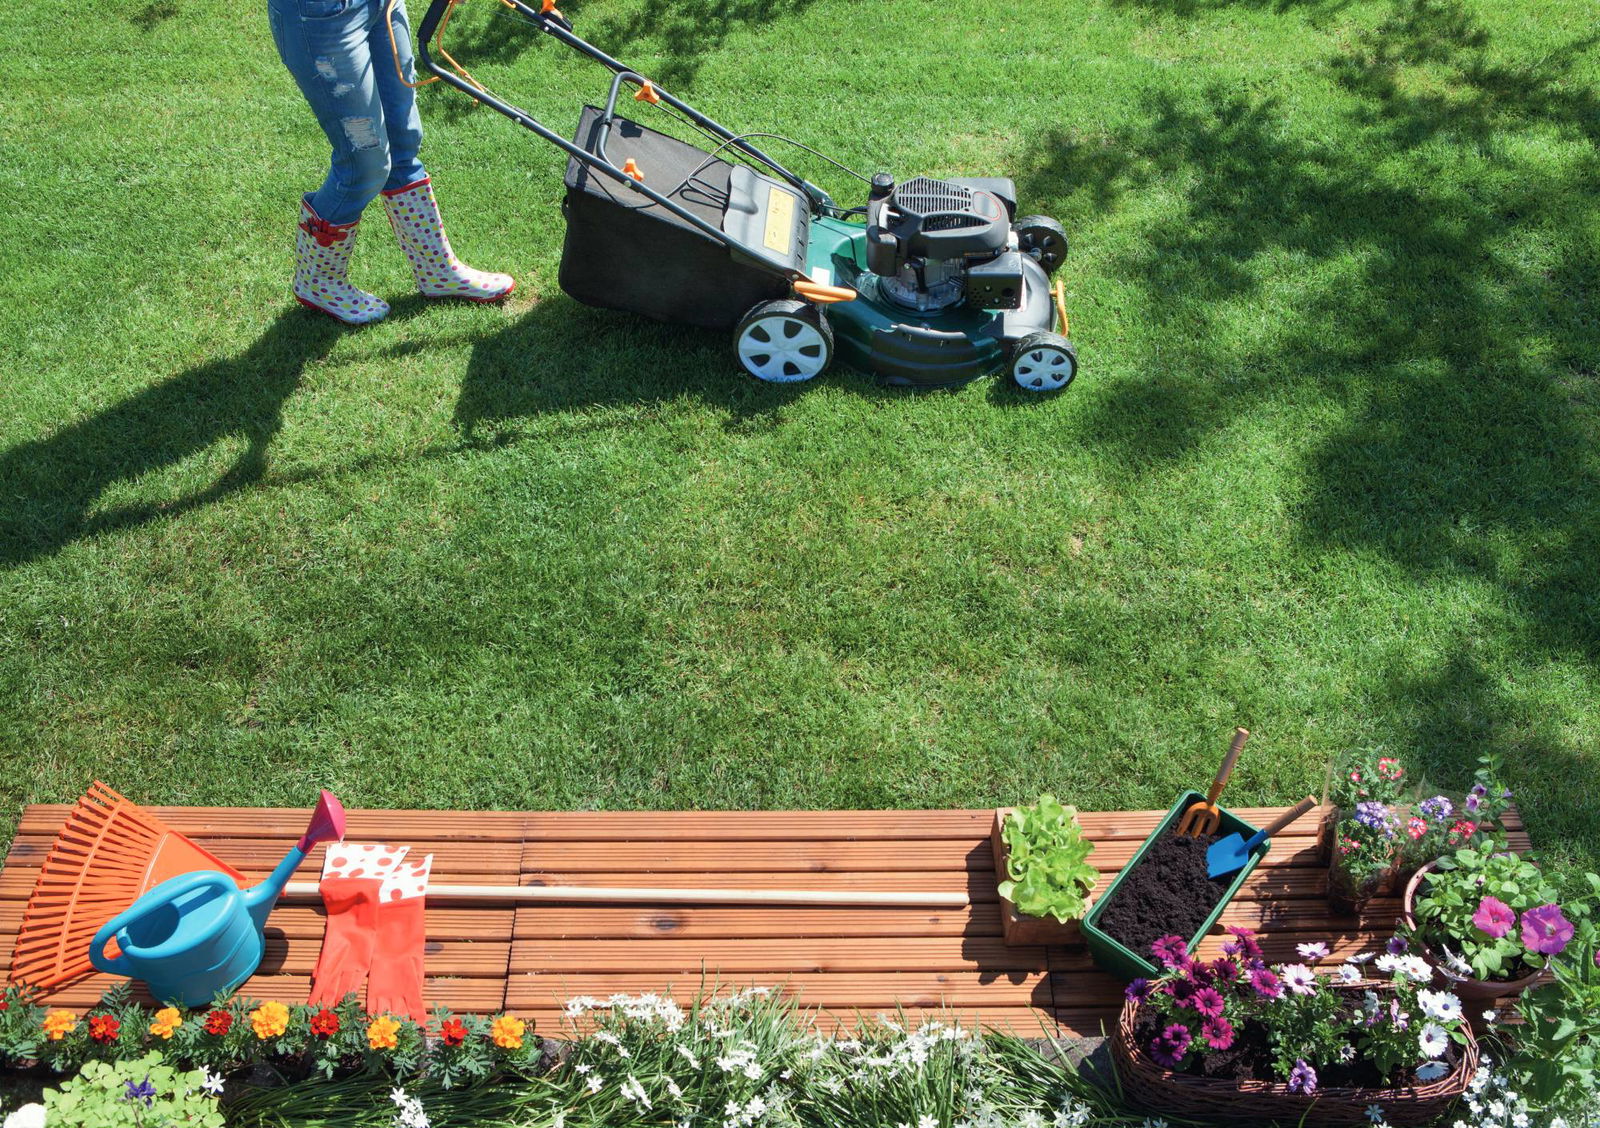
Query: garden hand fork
[1202, 819]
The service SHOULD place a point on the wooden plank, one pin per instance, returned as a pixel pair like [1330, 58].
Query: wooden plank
[779, 957]
[290, 823]
[705, 923]
[869, 991]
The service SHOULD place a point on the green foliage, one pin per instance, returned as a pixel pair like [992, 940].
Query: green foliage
[1556, 1059]
[1048, 868]
[1453, 894]
[19, 1025]
[138, 1093]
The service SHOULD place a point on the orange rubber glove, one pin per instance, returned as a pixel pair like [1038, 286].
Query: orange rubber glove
[352, 878]
[394, 985]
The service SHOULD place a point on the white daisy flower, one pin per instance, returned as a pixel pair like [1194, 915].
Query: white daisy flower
[1313, 952]
[1440, 1005]
[1433, 1040]
[1349, 973]
[1299, 978]
[1432, 1070]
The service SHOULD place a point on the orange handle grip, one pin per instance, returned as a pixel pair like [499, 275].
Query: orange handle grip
[821, 294]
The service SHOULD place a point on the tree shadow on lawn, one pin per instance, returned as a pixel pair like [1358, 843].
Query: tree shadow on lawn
[50, 485]
[683, 32]
[1424, 285]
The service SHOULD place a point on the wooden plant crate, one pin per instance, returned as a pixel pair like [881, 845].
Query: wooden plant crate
[1018, 929]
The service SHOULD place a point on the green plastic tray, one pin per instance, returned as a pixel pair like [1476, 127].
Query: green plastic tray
[1110, 955]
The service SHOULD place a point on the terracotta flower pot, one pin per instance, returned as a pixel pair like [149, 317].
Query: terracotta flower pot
[1465, 987]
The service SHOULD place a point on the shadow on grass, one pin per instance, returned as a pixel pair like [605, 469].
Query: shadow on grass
[563, 357]
[1437, 313]
[50, 485]
[681, 32]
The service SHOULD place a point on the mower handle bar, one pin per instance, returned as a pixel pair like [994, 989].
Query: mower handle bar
[555, 28]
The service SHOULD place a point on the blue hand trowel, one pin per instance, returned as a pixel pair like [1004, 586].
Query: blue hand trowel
[1228, 855]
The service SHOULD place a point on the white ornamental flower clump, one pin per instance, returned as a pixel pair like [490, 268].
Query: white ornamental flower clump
[741, 1059]
[26, 1116]
[409, 1112]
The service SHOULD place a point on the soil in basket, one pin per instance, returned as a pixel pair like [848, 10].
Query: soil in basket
[1169, 894]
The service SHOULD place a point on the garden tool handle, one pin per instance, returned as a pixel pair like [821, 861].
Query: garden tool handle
[614, 895]
[1240, 735]
[1280, 822]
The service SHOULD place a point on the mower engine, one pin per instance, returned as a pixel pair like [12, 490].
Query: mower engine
[937, 243]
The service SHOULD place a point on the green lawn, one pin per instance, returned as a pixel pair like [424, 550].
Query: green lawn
[1330, 470]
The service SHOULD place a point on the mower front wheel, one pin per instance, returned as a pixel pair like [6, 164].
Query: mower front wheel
[1044, 362]
[784, 341]
[1044, 239]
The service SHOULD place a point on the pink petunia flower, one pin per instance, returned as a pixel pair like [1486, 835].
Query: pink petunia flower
[1546, 931]
[1494, 917]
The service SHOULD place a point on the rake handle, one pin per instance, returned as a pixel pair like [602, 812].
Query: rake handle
[1240, 735]
[298, 890]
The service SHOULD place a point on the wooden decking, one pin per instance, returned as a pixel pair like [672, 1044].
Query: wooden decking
[842, 961]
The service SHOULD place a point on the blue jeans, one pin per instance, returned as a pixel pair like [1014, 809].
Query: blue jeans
[339, 54]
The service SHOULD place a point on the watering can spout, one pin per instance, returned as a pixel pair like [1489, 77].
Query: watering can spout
[327, 825]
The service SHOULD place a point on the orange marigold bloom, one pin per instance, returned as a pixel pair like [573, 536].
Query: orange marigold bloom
[167, 1019]
[59, 1023]
[269, 1020]
[507, 1032]
[381, 1033]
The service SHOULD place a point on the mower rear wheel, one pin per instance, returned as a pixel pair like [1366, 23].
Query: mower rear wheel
[784, 341]
[1044, 239]
[1044, 362]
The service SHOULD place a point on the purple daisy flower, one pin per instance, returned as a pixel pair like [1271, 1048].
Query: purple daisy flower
[1302, 1078]
[1170, 950]
[1397, 946]
[1218, 1033]
[1209, 1002]
[1168, 1050]
[1266, 984]
[1138, 989]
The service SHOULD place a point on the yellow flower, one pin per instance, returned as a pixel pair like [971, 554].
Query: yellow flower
[507, 1032]
[269, 1020]
[381, 1033]
[59, 1023]
[167, 1019]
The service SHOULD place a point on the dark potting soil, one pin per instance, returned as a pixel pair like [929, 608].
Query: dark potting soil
[1169, 894]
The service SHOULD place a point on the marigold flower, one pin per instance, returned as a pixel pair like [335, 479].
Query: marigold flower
[167, 1019]
[59, 1023]
[269, 1020]
[104, 1028]
[452, 1032]
[507, 1032]
[5, 1005]
[325, 1023]
[381, 1033]
[218, 1022]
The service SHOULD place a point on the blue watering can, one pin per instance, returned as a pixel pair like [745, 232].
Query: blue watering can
[198, 934]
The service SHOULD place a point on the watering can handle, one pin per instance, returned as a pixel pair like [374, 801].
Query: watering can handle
[170, 890]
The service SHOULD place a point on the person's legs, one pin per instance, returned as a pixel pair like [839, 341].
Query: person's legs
[324, 45]
[408, 195]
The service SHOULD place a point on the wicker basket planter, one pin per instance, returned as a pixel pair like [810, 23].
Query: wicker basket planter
[1216, 1100]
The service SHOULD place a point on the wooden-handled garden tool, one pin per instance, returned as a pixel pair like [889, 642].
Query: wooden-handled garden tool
[1201, 819]
[1228, 855]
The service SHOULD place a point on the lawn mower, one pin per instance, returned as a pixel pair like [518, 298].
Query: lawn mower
[928, 283]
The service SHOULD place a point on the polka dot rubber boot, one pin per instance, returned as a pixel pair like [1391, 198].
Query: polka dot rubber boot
[321, 260]
[414, 215]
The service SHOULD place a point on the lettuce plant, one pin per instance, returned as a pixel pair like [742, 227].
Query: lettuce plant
[1048, 868]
